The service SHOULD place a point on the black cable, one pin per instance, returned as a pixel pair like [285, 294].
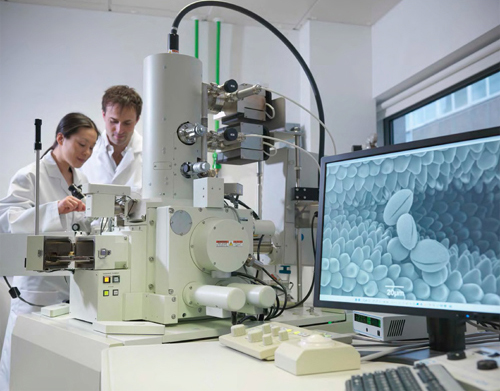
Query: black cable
[102, 224]
[282, 287]
[258, 254]
[247, 317]
[495, 325]
[131, 206]
[315, 216]
[274, 310]
[258, 247]
[255, 215]
[18, 294]
[174, 46]
[249, 276]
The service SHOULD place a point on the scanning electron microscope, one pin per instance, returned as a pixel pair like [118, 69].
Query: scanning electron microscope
[177, 255]
[170, 255]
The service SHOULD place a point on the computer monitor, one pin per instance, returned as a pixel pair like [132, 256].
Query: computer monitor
[414, 229]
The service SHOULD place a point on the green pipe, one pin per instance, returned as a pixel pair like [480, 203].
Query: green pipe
[196, 37]
[217, 55]
[217, 64]
[217, 80]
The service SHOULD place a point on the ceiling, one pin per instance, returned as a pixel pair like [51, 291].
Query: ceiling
[284, 14]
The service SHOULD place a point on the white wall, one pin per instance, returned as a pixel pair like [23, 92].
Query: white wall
[416, 34]
[55, 60]
[339, 56]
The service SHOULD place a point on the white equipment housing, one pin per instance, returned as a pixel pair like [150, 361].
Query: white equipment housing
[389, 327]
[177, 262]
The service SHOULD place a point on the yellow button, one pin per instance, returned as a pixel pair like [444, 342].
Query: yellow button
[106, 279]
[297, 332]
[105, 293]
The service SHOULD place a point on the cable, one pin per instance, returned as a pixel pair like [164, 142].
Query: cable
[282, 288]
[247, 317]
[235, 212]
[315, 216]
[255, 215]
[492, 324]
[286, 142]
[232, 199]
[328, 132]
[258, 248]
[272, 110]
[248, 276]
[18, 294]
[388, 343]
[374, 356]
[174, 46]
[482, 327]
[271, 146]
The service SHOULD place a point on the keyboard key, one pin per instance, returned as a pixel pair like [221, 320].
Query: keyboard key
[435, 378]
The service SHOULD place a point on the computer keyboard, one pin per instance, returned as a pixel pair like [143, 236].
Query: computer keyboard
[262, 341]
[420, 377]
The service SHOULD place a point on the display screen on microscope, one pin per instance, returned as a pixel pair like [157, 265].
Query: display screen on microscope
[412, 228]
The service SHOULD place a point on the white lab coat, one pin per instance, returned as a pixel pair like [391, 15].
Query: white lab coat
[101, 168]
[17, 215]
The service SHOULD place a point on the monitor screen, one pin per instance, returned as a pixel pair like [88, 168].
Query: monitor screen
[412, 228]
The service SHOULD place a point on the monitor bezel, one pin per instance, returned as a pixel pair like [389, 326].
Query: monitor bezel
[430, 312]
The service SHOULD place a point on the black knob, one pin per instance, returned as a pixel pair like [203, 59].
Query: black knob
[75, 227]
[186, 170]
[454, 356]
[230, 134]
[486, 365]
[76, 191]
[231, 85]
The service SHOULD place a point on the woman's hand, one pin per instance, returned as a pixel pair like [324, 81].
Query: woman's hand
[70, 204]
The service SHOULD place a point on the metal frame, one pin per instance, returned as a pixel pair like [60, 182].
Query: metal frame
[388, 122]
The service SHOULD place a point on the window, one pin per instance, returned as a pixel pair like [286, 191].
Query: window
[470, 105]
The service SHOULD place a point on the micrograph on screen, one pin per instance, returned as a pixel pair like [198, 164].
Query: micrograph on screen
[418, 227]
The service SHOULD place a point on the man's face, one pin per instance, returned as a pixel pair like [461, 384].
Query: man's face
[120, 123]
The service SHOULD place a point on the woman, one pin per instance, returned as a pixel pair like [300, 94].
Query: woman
[76, 136]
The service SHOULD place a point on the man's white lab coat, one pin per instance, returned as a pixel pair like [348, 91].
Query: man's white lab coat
[101, 168]
[17, 215]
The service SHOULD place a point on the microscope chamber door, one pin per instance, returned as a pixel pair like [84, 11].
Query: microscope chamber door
[219, 245]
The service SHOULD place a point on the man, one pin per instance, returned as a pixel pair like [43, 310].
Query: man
[117, 157]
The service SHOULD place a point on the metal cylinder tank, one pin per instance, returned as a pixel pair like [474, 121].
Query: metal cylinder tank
[172, 96]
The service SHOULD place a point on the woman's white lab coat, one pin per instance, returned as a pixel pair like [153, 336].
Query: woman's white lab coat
[100, 168]
[17, 215]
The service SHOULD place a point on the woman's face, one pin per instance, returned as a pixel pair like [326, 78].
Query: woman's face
[78, 147]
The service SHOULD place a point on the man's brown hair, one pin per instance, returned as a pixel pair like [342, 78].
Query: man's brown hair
[123, 96]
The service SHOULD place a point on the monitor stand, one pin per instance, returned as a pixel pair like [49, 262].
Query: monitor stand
[445, 335]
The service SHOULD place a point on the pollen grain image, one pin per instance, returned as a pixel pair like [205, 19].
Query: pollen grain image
[419, 225]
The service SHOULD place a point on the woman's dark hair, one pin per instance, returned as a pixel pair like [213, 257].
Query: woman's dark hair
[70, 124]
